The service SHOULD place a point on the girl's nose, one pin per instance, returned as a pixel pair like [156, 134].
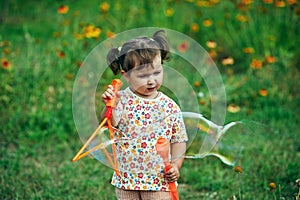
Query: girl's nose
[151, 81]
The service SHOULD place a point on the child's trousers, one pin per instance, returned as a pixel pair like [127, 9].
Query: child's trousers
[142, 195]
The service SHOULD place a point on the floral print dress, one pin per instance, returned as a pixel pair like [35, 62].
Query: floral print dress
[144, 121]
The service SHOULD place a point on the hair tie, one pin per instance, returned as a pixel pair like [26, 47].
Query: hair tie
[119, 49]
[151, 39]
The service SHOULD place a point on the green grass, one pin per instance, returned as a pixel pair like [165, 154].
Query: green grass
[37, 133]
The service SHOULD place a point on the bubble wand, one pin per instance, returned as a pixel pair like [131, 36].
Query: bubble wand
[110, 105]
[162, 147]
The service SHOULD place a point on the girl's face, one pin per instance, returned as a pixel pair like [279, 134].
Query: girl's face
[146, 80]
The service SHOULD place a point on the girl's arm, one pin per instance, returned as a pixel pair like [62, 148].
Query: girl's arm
[177, 152]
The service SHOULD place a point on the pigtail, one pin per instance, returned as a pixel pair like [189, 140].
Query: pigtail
[113, 60]
[161, 38]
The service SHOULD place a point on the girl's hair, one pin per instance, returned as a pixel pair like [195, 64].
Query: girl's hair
[138, 51]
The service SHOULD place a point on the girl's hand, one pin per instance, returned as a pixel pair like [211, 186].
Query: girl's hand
[108, 94]
[173, 174]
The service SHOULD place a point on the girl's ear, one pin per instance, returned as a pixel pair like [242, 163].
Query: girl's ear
[125, 75]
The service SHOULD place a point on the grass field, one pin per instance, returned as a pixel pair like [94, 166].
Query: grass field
[255, 45]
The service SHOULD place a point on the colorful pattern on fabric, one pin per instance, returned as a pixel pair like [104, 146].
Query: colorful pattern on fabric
[144, 121]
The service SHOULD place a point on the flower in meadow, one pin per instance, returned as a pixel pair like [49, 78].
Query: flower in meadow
[268, 1]
[279, 3]
[207, 23]
[263, 92]
[110, 34]
[233, 108]
[298, 182]
[213, 54]
[104, 7]
[90, 31]
[63, 9]
[272, 186]
[169, 12]
[241, 18]
[211, 44]
[247, 2]
[182, 47]
[194, 27]
[270, 59]
[5, 64]
[197, 83]
[228, 61]
[291, 2]
[201, 3]
[61, 54]
[238, 169]
[78, 36]
[256, 64]
[248, 50]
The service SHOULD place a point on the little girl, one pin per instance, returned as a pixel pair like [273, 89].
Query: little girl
[141, 106]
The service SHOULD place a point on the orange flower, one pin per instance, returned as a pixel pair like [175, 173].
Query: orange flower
[194, 27]
[211, 44]
[268, 1]
[256, 64]
[270, 59]
[272, 186]
[110, 34]
[104, 7]
[182, 47]
[280, 4]
[212, 54]
[247, 2]
[228, 61]
[169, 12]
[263, 92]
[61, 54]
[5, 64]
[197, 83]
[63, 9]
[233, 108]
[248, 50]
[291, 2]
[207, 22]
[238, 169]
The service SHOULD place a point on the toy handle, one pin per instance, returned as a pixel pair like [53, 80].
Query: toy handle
[116, 83]
[162, 147]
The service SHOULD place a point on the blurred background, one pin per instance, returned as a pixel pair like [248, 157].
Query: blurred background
[254, 43]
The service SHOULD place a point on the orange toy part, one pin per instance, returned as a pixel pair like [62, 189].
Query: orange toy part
[162, 147]
[112, 103]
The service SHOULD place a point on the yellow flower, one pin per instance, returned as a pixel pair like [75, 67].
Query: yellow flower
[211, 44]
[241, 18]
[104, 7]
[228, 61]
[194, 27]
[272, 186]
[63, 9]
[197, 83]
[169, 12]
[202, 3]
[91, 31]
[233, 108]
[280, 3]
[207, 22]
[248, 50]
